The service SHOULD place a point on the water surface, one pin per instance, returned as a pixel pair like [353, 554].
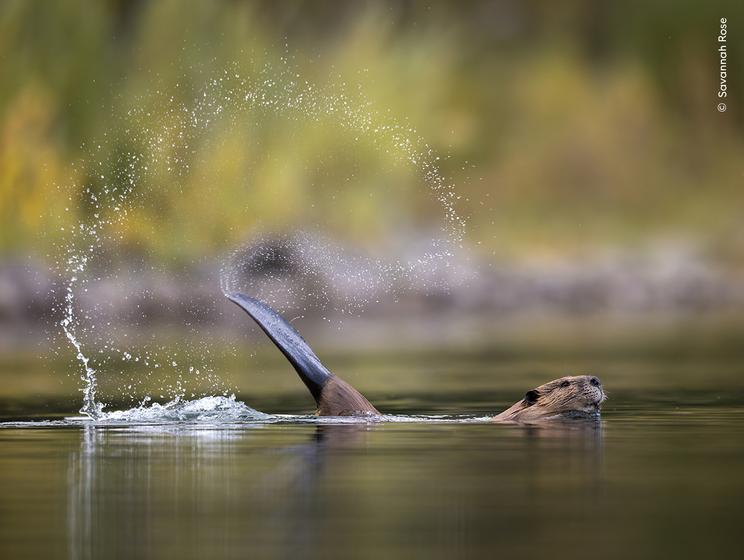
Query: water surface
[658, 476]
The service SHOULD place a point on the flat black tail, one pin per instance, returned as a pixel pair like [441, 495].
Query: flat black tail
[307, 365]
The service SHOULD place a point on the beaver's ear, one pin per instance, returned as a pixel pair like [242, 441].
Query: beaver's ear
[530, 397]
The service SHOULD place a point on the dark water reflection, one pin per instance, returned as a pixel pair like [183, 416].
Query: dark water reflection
[649, 480]
[322, 490]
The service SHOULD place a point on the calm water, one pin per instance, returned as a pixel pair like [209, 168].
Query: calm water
[659, 476]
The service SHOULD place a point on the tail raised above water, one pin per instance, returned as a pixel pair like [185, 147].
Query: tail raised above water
[332, 394]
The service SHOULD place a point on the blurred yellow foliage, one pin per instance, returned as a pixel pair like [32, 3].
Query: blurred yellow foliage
[33, 175]
[560, 130]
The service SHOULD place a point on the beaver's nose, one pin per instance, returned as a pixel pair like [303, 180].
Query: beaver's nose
[595, 381]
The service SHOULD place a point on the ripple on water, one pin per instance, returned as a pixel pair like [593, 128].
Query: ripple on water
[226, 411]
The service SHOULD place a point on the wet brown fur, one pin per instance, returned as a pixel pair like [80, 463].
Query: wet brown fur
[573, 396]
[580, 395]
[338, 398]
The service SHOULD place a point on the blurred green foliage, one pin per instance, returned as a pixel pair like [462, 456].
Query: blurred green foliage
[564, 125]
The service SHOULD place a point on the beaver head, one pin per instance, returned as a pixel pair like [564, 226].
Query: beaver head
[567, 397]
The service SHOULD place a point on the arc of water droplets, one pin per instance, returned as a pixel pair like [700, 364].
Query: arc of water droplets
[280, 92]
[85, 242]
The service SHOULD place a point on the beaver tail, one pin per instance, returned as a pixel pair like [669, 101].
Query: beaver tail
[334, 396]
[307, 365]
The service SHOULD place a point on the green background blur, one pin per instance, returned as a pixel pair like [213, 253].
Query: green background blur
[565, 126]
[571, 130]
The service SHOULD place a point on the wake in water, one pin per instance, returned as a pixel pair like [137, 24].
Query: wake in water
[206, 409]
[228, 411]
[229, 100]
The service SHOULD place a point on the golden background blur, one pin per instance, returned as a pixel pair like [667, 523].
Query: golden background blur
[566, 127]
[596, 177]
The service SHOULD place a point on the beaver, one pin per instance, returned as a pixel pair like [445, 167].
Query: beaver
[568, 397]
[577, 396]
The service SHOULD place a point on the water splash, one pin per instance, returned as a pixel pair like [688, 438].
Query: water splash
[358, 279]
[90, 406]
[83, 245]
[204, 410]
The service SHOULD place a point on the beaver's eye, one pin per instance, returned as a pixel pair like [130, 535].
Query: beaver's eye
[565, 383]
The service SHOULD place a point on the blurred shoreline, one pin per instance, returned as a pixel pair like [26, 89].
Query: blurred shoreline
[652, 287]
